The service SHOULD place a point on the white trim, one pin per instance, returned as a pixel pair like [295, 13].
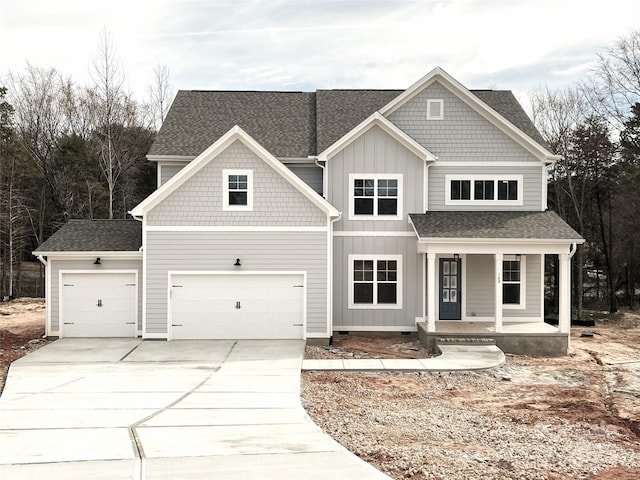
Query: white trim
[171, 273]
[235, 134]
[111, 255]
[376, 119]
[47, 301]
[373, 233]
[482, 163]
[170, 158]
[226, 207]
[542, 261]
[144, 277]
[232, 228]
[490, 246]
[439, 75]
[432, 291]
[375, 177]
[374, 328]
[488, 203]
[375, 306]
[61, 273]
[545, 189]
[433, 101]
[523, 283]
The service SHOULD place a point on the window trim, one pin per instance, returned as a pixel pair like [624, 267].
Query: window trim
[431, 102]
[375, 306]
[495, 201]
[523, 282]
[225, 190]
[375, 176]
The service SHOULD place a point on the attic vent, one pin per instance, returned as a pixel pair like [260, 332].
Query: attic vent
[435, 109]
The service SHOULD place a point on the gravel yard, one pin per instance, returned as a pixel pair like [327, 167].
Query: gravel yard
[574, 417]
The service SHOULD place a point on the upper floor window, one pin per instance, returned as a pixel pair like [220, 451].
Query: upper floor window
[483, 189]
[376, 196]
[435, 109]
[237, 190]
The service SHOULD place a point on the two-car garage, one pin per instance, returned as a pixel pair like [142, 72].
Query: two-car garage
[237, 306]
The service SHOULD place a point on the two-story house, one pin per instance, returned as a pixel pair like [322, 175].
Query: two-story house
[301, 214]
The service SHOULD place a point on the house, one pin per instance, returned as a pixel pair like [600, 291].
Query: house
[301, 214]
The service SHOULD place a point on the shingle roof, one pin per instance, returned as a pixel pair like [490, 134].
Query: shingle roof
[291, 124]
[95, 236]
[282, 122]
[493, 225]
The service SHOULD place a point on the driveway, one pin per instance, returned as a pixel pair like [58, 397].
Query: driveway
[132, 409]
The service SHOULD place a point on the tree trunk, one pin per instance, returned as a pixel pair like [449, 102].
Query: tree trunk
[607, 255]
[580, 283]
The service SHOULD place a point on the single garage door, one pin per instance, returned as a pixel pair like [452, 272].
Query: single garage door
[98, 304]
[243, 306]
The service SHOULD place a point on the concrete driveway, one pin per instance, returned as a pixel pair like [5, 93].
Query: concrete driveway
[132, 409]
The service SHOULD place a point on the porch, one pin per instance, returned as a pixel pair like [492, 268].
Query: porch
[532, 338]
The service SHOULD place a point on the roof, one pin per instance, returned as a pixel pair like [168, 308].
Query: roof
[292, 124]
[493, 225]
[95, 236]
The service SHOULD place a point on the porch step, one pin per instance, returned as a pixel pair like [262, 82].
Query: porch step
[465, 341]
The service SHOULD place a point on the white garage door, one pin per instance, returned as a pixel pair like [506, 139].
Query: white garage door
[98, 304]
[247, 306]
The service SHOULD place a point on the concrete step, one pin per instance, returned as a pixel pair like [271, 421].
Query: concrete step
[465, 341]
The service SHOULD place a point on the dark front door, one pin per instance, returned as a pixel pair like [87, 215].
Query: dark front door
[450, 275]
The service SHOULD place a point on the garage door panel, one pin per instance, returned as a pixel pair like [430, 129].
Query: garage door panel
[271, 306]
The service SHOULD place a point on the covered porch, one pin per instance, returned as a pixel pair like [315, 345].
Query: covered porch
[484, 279]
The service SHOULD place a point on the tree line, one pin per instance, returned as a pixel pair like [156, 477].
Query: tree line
[78, 151]
[70, 151]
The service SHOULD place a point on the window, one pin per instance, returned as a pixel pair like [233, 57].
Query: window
[435, 109]
[237, 190]
[513, 275]
[483, 190]
[376, 196]
[374, 281]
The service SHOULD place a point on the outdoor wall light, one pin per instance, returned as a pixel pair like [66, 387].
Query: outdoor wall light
[97, 262]
[237, 264]
[456, 257]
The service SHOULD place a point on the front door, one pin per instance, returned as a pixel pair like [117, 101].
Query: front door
[450, 275]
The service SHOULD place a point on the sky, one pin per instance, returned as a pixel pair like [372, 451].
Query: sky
[304, 45]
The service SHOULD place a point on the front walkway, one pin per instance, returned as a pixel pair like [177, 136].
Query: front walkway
[124, 408]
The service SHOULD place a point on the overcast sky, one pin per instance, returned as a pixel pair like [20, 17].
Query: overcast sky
[309, 44]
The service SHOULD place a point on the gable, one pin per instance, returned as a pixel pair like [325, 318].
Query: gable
[462, 134]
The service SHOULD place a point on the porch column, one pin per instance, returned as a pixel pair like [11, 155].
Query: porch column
[498, 279]
[431, 292]
[564, 304]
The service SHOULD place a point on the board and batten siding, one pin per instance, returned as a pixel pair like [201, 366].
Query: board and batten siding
[480, 292]
[309, 174]
[198, 201]
[87, 265]
[375, 152]
[168, 171]
[217, 251]
[462, 135]
[412, 283]
[531, 188]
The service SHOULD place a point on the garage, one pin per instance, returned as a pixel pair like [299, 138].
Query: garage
[237, 306]
[98, 304]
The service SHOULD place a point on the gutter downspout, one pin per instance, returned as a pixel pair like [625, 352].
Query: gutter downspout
[330, 292]
[47, 295]
[324, 181]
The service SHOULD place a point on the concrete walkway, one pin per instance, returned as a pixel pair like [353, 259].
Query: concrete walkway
[453, 358]
[127, 409]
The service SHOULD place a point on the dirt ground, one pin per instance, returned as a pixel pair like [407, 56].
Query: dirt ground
[573, 417]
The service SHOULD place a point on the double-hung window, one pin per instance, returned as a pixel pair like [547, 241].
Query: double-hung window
[237, 189]
[483, 190]
[375, 281]
[513, 281]
[375, 196]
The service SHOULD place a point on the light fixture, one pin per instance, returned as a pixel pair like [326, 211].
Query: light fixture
[97, 262]
[456, 257]
[237, 264]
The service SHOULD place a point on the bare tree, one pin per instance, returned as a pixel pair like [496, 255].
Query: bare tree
[160, 96]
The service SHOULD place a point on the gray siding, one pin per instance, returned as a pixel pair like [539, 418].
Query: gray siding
[57, 265]
[199, 200]
[167, 172]
[463, 134]
[532, 186]
[375, 152]
[310, 174]
[480, 292]
[412, 283]
[217, 251]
